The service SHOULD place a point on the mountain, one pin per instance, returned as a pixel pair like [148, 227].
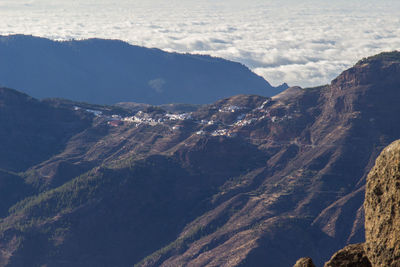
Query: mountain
[110, 71]
[245, 181]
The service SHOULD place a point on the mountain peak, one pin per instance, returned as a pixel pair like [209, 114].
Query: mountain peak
[387, 57]
[378, 69]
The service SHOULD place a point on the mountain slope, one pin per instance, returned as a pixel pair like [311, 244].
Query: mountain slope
[246, 181]
[31, 131]
[111, 71]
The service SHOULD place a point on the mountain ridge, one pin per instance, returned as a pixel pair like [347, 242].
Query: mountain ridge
[110, 71]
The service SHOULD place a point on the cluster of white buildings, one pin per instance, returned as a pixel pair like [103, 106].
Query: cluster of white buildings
[178, 117]
[243, 119]
[230, 108]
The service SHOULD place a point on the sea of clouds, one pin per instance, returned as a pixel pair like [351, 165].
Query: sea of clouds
[304, 43]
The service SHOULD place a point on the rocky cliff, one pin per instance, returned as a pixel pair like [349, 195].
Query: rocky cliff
[382, 200]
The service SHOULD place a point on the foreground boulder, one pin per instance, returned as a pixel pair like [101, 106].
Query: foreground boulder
[350, 256]
[304, 262]
[382, 207]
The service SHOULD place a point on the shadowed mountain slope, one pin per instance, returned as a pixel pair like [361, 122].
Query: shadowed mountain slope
[111, 71]
[32, 131]
[246, 181]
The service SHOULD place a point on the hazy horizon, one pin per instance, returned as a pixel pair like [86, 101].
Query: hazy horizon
[306, 44]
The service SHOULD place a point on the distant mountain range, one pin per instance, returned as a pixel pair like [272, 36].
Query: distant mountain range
[110, 71]
[246, 181]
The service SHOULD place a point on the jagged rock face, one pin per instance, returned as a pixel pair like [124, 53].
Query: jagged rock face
[382, 209]
[350, 256]
[304, 262]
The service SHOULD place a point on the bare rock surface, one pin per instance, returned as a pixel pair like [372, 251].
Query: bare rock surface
[382, 204]
[350, 256]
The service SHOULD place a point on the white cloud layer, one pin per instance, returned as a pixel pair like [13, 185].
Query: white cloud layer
[303, 43]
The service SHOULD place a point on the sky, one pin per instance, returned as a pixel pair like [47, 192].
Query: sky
[306, 43]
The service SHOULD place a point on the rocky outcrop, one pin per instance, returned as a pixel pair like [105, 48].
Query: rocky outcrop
[350, 256]
[382, 209]
[304, 262]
